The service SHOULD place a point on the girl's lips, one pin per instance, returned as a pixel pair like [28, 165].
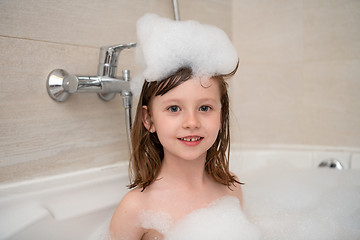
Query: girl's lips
[191, 140]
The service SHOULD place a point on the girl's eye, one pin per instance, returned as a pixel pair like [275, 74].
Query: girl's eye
[174, 109]
[205, 108]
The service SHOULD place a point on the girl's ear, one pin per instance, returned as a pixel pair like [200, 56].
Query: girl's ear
[146, 119]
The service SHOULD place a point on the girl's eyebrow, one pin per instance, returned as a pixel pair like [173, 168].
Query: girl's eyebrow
[170, 100]
[182, 99]
[208, 99]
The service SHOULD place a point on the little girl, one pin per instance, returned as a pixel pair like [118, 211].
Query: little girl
[180, 178]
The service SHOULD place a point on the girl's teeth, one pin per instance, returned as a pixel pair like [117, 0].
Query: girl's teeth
[191, 139]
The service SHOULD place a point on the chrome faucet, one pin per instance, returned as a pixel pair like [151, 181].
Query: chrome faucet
[60, 84]
[331, 163]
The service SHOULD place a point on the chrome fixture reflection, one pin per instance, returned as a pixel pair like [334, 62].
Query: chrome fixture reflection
[331, 163]
[60, 84]
[176, 10]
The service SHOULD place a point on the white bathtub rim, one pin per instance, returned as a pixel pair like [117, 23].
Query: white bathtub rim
[82, 192]
[84, 174]
[252, 156]
[292, 147]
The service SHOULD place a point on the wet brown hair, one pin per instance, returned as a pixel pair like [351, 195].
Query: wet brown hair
[147, 152]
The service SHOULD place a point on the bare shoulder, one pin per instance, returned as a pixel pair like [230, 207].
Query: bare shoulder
[125, 221]
[236, 190]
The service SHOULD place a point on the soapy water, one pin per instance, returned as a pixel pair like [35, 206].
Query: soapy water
[283, 203]
[279, 204]
[291, 203]
[222, 219]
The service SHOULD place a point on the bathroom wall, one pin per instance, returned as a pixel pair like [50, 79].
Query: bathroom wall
[39, 136]
[299, 76]
[298, 81]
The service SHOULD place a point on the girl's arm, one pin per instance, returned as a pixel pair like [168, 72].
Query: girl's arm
[125, 224]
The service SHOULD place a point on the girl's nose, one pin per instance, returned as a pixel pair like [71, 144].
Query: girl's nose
[191, 121]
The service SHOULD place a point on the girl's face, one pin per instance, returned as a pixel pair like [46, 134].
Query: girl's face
[186, 119]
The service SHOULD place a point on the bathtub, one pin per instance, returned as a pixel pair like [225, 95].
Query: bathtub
[68, 206]
[285, 195]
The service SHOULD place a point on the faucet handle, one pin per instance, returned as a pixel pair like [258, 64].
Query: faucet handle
[108, 58]
[60, 84]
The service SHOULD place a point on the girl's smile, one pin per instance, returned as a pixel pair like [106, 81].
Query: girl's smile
[191, 140]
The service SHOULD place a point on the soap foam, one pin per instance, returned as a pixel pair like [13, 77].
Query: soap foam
[159, 221]
[165, 45]
[223, 219]
[290, 203]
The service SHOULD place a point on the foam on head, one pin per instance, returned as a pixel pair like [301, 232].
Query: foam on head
[165, 45]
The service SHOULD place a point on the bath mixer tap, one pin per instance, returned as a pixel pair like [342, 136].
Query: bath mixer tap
[60, 84]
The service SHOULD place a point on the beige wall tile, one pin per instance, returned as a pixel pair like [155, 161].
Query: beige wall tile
[268, 31]
[331, 30]
[80, 22]
[212, 12]
[163, 8]
[331, 103]
[265, 100]
[99, 23]
[314, 47]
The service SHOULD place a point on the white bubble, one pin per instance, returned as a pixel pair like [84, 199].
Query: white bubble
[223, 219]
[159, 221]
[165, 45]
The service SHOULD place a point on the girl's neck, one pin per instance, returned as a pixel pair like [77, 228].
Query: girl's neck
[185, 173]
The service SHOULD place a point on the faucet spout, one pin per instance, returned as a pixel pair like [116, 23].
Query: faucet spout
[108, 58]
